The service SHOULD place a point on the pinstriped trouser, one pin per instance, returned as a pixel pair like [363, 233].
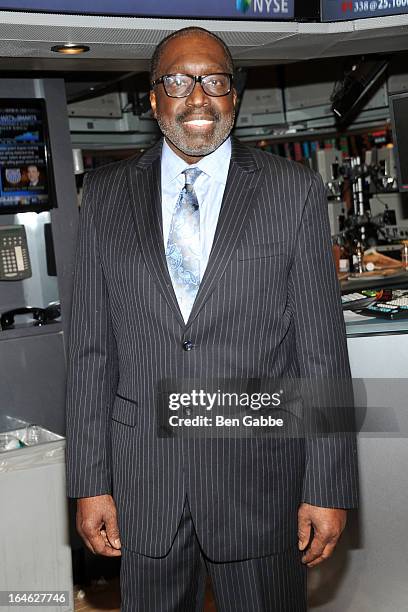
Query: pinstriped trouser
[176, 583]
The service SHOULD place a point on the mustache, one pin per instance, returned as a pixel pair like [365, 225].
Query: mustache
[189, 116]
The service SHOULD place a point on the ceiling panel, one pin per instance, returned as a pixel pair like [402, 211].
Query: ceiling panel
[122, 39]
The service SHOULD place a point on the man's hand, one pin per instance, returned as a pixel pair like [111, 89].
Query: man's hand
[97, 525]
[327, 523]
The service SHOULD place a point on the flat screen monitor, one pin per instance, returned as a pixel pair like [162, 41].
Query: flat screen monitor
[344, 10]
[217, 9]
[26, 181]
[399, 121]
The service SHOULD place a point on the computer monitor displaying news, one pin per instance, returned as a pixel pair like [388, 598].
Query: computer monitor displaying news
[26, 181]
[399, 120]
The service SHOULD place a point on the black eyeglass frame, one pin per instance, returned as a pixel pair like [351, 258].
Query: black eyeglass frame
[196, 79]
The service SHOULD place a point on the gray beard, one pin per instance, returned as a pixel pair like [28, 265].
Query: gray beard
[175, 134]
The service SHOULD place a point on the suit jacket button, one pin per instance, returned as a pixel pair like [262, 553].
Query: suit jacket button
[187, 345]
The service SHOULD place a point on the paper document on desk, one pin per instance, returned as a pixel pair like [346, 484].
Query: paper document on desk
[354, 317]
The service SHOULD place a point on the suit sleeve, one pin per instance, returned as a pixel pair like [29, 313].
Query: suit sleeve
[331, 474]
[92, 360]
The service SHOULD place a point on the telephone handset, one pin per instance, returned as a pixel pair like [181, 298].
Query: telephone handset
[14, 257]
[41, 316]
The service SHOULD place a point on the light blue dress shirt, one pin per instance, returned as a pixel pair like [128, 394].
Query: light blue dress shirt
[209, 188]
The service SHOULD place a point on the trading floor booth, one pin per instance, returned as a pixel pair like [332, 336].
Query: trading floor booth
[38, 223]
[42, 221]
[369, 569]
[285, 108]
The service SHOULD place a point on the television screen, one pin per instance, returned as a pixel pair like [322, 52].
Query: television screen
[218, 9]
[344, 10]
[25, 166]
[399, 119]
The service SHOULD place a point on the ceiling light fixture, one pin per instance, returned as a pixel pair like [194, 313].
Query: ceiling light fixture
[70, 49]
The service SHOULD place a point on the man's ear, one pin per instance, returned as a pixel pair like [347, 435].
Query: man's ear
[152, 96]
[234, 97]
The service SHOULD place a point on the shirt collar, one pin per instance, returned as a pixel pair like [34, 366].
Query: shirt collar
[215, 164]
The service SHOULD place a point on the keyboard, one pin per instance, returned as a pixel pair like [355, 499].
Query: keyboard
[395, 308]
[356, 301]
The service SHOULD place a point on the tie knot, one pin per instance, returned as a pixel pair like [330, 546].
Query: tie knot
[191, 175]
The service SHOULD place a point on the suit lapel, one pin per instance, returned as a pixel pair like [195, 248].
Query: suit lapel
[238, 201]
[144, 180]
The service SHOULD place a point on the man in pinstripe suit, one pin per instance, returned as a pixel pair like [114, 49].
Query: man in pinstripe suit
[253, 294]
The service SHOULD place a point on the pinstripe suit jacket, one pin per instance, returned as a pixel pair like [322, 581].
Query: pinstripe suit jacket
[268, 306]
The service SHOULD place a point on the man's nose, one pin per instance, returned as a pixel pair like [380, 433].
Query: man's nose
[197, 96]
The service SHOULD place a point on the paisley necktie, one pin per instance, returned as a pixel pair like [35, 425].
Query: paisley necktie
[183, 246]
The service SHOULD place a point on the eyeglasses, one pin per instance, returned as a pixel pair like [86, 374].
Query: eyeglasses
[181, 85]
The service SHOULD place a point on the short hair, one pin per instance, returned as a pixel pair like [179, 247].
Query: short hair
[158, 52]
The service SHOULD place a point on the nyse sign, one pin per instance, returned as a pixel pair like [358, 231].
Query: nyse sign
[271, 6]
[343, 10]
[221, 9]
